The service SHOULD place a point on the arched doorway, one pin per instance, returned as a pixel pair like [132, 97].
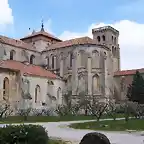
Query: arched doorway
[37, 94]
[6, 88]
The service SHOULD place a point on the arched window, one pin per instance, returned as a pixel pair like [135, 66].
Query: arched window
[95, 84]
[50, 83]
[71, 58]
[50, 88]
[105, 55]
[32, 57]
[115, 40]
[5, 88]
[12, 53]
[103, 37]
[95, 59]
[58, 94]
[98, 38]
[25, 56]
[114, 51]
[47, 61]
[53, 62]
[82, 58]
[112, 38]
[81, 83]
[37, 93]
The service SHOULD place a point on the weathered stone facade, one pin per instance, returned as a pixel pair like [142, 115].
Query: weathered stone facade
[81, 65]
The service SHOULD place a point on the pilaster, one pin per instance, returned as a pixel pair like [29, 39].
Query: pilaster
[61, 67]
[89, 81]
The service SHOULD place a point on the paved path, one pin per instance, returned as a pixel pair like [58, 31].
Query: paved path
[61, 130]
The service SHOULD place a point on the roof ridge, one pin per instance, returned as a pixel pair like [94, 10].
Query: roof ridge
[16, 42]
[75, 41]
[30, 69]
[45, 33]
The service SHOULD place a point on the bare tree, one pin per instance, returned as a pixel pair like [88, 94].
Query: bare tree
[97, 108]
[112, 110]
[64, 109]
[25, 113]
[69, 107]
[5, 109]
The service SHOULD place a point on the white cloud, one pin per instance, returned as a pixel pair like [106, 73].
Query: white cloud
[6, 16]
[131, 41]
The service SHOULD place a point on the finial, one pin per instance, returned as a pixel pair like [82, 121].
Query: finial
[42, 26]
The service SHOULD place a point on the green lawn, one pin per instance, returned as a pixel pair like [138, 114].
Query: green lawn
[111, 125]
[20, 119]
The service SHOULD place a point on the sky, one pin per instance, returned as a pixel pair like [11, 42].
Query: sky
[75, 18]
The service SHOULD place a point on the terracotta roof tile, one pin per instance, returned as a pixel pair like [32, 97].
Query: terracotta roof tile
[128, 72]
[43, 33]
[16, 43]
[27, 69]
[76, 41]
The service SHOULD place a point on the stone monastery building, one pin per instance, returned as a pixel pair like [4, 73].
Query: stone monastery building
[40, 67]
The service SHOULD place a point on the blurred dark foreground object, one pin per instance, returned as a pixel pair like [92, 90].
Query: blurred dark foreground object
[95, 138]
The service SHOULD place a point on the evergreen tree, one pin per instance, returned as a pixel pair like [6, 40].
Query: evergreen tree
[135, 91]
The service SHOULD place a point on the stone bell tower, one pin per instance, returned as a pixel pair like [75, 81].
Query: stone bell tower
[108, 36]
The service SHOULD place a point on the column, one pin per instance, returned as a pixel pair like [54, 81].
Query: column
[55, 61]
[61, 67]
[89, 66]
[74, 74]
[102, 75]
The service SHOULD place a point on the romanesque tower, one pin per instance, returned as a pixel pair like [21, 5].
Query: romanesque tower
[109, 36]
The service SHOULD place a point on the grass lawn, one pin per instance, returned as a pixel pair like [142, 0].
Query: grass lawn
[111, 125]
[20, 119]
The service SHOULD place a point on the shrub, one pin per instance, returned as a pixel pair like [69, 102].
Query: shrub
[23, 134]
[42, 112]
[24, 112]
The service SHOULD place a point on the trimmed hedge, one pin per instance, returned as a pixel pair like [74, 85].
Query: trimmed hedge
[23, 134]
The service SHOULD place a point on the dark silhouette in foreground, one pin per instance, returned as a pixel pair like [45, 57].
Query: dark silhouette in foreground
[95, 138]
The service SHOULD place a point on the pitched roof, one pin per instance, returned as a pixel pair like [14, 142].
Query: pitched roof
[71, 42]
[27, 69]
[128, 72]
[16, 43]
[42, 33]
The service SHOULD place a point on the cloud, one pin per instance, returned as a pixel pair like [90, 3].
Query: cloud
[6, 17]
[131, 41]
